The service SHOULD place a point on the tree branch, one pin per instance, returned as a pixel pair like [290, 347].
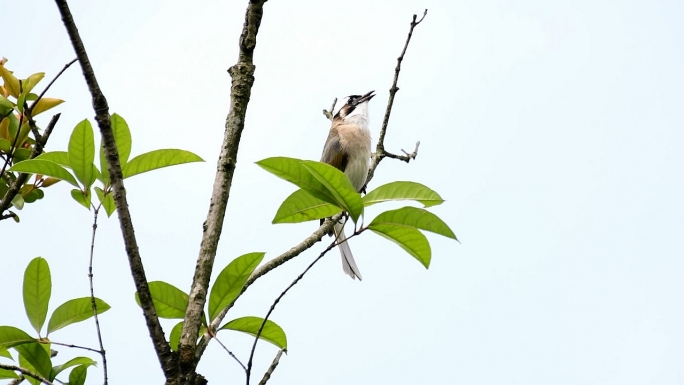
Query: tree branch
[161, 347]
[380, 152]
[242, 75]
[271, 368]
[92, 297]
[26, 373]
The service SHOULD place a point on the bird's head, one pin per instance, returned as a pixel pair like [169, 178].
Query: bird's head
[354, 107]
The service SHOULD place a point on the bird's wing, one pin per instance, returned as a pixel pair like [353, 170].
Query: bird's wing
[333, 153]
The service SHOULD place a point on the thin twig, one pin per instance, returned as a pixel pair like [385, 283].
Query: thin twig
[277, 300]
[330, 114]
[271, 368]
[380, 152]
[21, 179]
[74, 346]
[231, 354]
[26, 373]
[166, 357]
[102, 351]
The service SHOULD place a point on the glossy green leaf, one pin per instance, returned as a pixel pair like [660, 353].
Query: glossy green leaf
[174, 337]
[408, 238]
[230, 281]
[5, 106]
[82, 198]
[5, 145]
[18, 202]
[122, 137]
[86, 361]
[301, 206]
[318, 179]
[106, 200]
[73, 311]
[78, 375]
[36, 356]
[169, 301]
[250, 325]
[59, 157]
[415, 217]
[5, 353]
[44, 167]
[11, 337]
[36, 291]
[27, 365]
[7, 374]
[397, 191]
[158, 159]
[32, 80]
[45, 104]
[82, 152]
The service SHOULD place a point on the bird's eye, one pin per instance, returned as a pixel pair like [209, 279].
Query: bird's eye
[352, 99]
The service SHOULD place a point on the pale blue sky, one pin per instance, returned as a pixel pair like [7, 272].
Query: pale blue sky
[553, 130]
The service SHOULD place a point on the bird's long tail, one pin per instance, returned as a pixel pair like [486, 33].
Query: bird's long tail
[348, 263]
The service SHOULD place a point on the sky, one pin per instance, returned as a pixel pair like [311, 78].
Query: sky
[551, 129]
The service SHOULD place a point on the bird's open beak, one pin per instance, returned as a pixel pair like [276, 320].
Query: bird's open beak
[365, 98]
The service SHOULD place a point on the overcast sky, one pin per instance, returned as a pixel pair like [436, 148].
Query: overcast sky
[552, 129]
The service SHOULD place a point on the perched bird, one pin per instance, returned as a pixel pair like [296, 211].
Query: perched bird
[348, 148]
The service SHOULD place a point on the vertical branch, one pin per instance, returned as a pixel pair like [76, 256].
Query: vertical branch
[92, 297]
[242, 75]
[101, 108]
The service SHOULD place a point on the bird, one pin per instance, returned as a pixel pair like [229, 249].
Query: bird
[348, 148]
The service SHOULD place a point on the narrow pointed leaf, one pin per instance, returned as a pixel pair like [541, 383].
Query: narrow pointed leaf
[417, 218]
[301, 206]
[5, 353]
[82, 152]
[106, 200]
[250, 325]
[35, 354]
[174, 337]
[169, 301]
[44, 167]
[45, 104]
[36, 291]
[408, 238]
[158, 159]
[11, 81]
[32, 80]
[72, 362]
[230, 281]
[59, 157]
[397, 191]
[78, 375]
[73, 311]
[11, 337]
[8, 375]
[122, 137]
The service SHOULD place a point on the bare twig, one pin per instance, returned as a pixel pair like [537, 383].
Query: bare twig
[277, 300]
[161, 346]
[74, 346]
[242, 74]
[231, 354]
[21, 179]
[380, 152]
[102, 351]
[271, 368]
[26, 373]
[330, 114]
[406, 157]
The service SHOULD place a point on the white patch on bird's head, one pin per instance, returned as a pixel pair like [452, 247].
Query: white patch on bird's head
[351, 111]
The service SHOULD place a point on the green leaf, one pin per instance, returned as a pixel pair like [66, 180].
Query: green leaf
[82, 153]
[78, 375]
[397, 191]
[18, 202]
[7, 375]
[301, 206]
[32, 80]
[106, 200]
[408, 238]
[59, 157]
[45, 104]
[250, 325]
[44, 167]
[414, 217]
[122, 137]
[37, 290]
[5, 106]
[169, 301]
[36, 356]
[82, 198]
[230, 281]
[158, 159]
[5, 353]
[73, 311]
[27, 365]
[11, 337]
[5, 145]
[86, 361]
[174, 338]
[321, 180]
